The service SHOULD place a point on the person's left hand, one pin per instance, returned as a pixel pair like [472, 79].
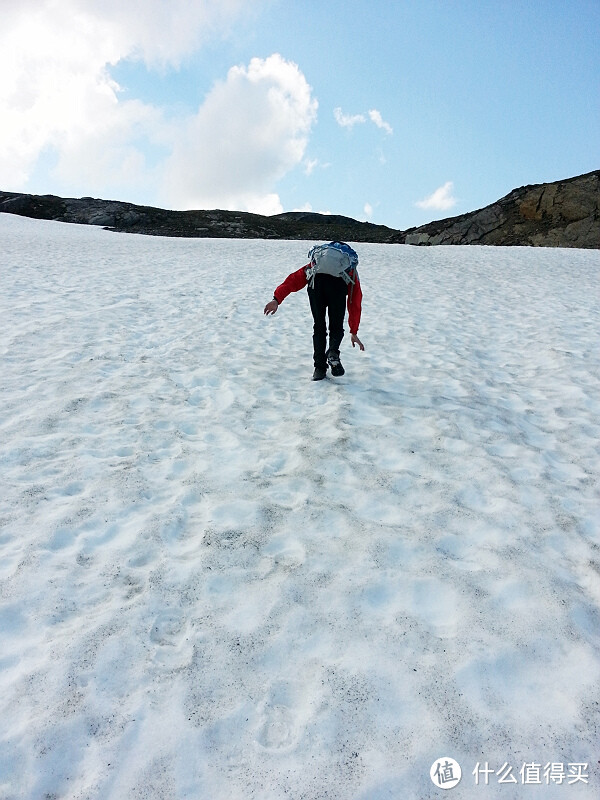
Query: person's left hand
[356, 340]
[271, 307]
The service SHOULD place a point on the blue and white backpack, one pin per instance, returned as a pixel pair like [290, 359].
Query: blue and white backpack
[335, 258]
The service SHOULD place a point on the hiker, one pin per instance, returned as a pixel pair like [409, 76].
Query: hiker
[332, 281]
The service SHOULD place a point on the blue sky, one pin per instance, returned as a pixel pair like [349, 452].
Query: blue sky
[395, 112]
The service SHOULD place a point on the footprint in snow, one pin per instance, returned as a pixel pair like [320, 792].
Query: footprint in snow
[277, 730]
[171, 637]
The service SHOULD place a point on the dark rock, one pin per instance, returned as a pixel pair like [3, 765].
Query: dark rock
[118, 216]
[561, 214]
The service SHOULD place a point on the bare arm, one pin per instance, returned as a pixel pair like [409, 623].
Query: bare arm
[356, 340]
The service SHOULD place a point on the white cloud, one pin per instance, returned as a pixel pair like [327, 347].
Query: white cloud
[57, 98]
[307, 207]
[376, 118]
[368, 210]
[348, 120]
[55, 90]
[310, 164]
[440, 200]
[251, 129]
[162, 32]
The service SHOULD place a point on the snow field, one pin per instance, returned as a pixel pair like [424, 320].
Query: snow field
[219, 579]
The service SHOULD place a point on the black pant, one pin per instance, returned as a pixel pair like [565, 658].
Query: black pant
[328, 293]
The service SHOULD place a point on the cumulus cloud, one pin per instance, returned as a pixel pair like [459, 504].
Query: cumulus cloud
[440, 200]
[368, 209]
[57, 99]
[251, 129]
[55, 88]
[162, 32]
[350, 120]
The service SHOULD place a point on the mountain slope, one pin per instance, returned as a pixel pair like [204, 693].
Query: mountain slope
[220, 580]
[132, 218]
[561, 214]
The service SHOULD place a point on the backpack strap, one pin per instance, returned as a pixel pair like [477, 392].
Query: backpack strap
[352, 285]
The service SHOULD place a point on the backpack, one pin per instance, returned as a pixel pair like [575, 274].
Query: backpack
[335, 258]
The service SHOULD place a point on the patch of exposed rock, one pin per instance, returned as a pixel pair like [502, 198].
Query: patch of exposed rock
[561, 214]
[130, 218]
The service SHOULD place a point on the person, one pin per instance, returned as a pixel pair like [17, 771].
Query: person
[329, 295]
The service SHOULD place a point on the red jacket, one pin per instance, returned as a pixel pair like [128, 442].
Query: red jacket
[297, 280]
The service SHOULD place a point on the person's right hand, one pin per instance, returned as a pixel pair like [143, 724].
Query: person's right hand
[271, 307]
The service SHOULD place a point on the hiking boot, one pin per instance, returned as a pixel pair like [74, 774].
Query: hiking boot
[333, 359]
[319, 373]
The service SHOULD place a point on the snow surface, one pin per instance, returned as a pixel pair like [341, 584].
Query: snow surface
[219, 579]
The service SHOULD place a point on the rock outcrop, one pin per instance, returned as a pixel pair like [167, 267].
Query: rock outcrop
[561, 214]
[118, 216]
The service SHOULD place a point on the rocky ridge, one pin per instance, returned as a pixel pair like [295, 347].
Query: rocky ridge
[130, 218]
[560, 214]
